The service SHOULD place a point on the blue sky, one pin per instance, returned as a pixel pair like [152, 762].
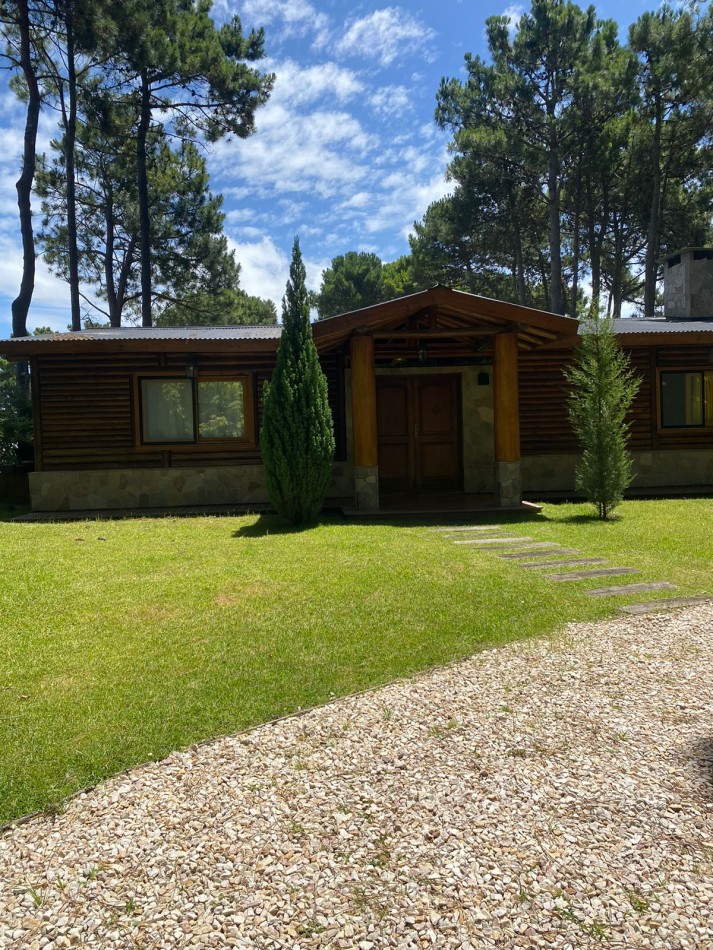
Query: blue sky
[346, 153]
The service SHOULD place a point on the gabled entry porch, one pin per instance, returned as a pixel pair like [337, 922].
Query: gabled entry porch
[433, 382]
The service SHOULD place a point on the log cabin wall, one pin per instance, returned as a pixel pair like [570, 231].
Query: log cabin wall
[86, 413]
[544, 421]
[545, 427]
[662, 458]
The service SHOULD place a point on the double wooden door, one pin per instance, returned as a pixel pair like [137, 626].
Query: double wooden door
[418, 424]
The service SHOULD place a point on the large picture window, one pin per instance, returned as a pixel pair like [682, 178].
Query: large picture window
[686, 399]
[177, 411]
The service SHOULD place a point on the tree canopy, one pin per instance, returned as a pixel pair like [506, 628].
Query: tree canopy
[136, 86]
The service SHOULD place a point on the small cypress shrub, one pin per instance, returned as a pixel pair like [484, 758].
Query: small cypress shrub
[297, 438]
[603, 389]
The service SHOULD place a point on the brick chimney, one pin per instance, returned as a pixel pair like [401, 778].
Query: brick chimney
[688, 284]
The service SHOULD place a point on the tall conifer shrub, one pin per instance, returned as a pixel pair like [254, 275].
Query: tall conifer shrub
[603, 389]
[297, 438]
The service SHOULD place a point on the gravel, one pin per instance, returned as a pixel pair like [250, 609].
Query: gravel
[554, 793]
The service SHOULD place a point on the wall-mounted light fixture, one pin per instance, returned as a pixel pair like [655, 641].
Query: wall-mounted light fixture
[191, 369]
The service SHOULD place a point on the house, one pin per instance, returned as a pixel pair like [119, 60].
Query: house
[438, 392]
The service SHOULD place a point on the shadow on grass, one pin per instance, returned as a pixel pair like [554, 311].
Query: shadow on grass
[9, 512]
[270, 523]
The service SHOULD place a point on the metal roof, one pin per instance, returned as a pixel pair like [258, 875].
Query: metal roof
[159, 333]
[661, 325]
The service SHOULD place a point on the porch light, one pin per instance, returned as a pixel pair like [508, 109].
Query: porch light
[191, 369]
[422, 353]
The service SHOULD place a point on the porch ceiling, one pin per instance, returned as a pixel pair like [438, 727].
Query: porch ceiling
[443, 317]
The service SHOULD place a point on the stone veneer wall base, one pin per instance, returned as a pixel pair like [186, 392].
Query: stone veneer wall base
[508, 484]
[95, 490]
[366, 487]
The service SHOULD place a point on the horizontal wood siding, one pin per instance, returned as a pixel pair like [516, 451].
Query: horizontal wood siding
[544, 421]
[85, 412]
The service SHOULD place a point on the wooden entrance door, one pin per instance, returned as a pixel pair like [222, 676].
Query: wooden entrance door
[418, 432]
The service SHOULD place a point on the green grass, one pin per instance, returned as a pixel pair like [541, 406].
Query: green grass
[123, 640]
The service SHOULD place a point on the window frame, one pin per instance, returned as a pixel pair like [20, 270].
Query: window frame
[198, 443]
[706, 372]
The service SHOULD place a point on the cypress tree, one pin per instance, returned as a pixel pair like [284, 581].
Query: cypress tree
[297, 438]
[603, 389]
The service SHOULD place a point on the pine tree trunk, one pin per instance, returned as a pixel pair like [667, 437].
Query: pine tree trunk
[652, 242]
[553, 194]
[143, 195]
[21, 304]
[70, 139]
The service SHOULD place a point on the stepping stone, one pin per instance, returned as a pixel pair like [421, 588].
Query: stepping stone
[572, 562]
[660, 606]
[469, 527]
[629, 589]
[599, 572]
[542, 549]
[483, 542]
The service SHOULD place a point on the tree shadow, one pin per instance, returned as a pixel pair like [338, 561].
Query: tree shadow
[271, 523]
[703, 757]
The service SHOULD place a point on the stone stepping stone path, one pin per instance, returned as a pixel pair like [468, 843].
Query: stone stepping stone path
[598, 572]
[556, 556]
[660, 606]
[541, 549]
[468, 527]
[571, 562]
[484, 542]
[629, 589]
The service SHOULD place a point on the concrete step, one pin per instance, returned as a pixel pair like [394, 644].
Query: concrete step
[629, 589]
[598, 572]
[663, 606]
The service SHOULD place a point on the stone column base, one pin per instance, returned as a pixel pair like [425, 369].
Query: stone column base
[366, 487]
[508, 484]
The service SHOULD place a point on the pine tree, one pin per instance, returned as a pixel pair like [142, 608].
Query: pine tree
[603, 389]
[297, 438]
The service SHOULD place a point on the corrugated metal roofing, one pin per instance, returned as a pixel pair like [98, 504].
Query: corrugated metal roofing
[162, 333]
[660, 325]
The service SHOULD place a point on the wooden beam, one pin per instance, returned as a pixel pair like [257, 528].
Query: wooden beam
[505, 398]
[430, 334]
[363, 401]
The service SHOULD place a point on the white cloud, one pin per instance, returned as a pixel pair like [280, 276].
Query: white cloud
[298, 18]
[265, 268]
[385, 35]
[322, 152]
[391, 100]
[297, 85]
[513, 13]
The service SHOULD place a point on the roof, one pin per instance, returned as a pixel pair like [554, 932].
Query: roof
[661, 325]
[131, 339]
[450, 312]
[656, 330]
[162, 333]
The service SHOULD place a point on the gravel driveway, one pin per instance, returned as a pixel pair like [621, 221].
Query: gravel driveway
[557, 793]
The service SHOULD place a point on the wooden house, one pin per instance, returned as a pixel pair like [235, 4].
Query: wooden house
[437, 393]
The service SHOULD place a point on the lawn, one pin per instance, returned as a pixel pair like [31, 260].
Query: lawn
[123, 640]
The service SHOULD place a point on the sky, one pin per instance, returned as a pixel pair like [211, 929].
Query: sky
[346, 154]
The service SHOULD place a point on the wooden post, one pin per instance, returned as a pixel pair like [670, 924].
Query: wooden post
[506, 407]
[506, 411]
[364, 401]
[366, 454]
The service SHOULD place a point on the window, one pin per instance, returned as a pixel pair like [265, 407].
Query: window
[686, 399]
[167, 410]
[178, 411]
[220, 409]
